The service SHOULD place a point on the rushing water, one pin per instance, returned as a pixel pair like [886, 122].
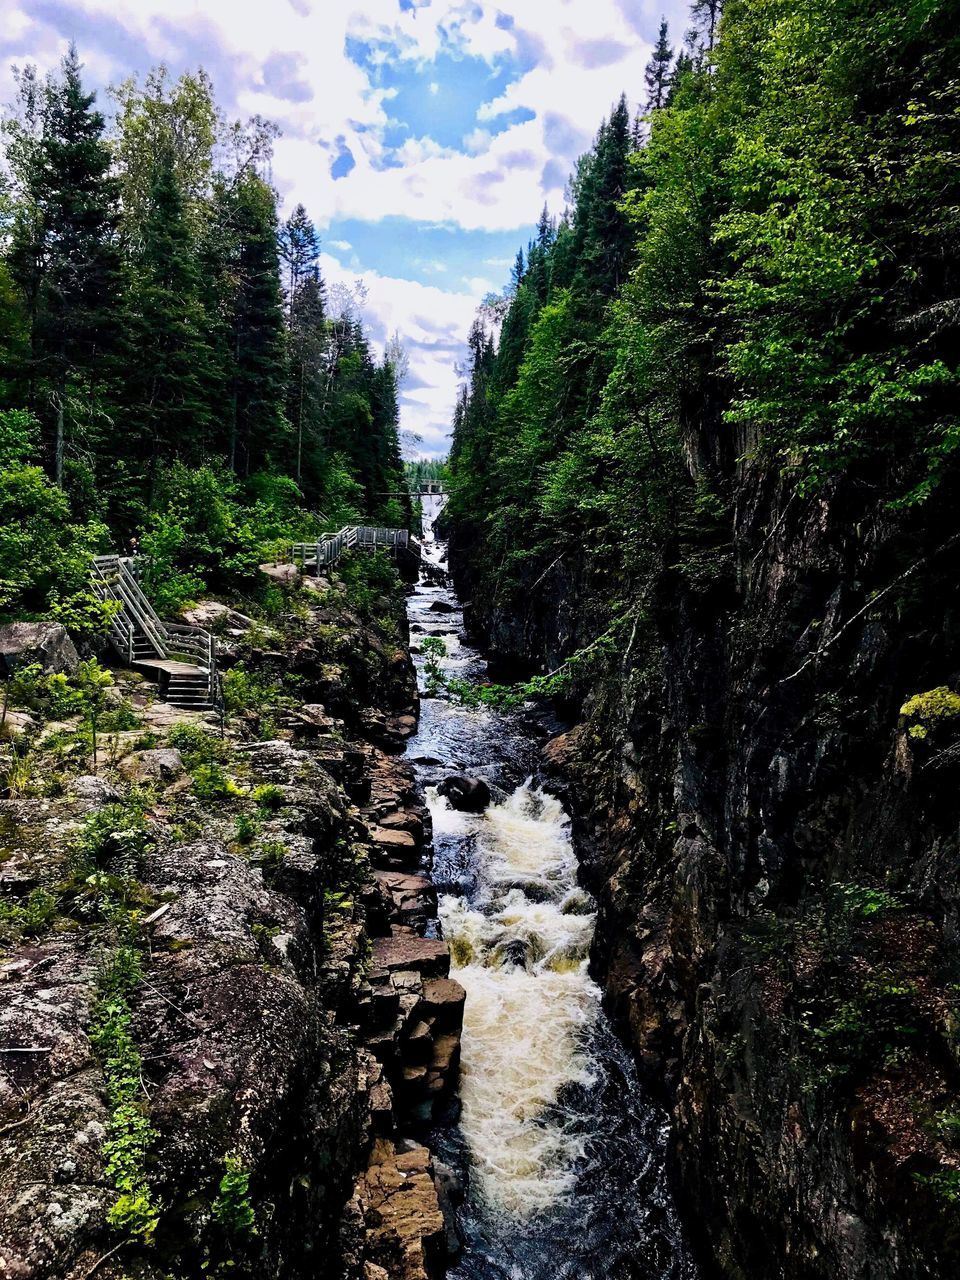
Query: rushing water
[562, 1154]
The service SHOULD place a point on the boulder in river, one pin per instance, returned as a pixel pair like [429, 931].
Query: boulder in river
[442, 606]
[469, 795]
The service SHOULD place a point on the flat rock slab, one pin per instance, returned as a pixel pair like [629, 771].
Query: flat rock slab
[394, 840]
[428, 956]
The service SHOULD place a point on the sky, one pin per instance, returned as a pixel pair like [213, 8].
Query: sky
[423, 136]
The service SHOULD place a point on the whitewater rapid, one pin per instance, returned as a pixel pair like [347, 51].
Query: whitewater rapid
[521, 953]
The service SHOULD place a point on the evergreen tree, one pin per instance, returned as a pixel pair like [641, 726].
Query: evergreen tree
[257, 359]
[706, 16]
[657, 74]
[300, 250]
[602, 232]
[308, 345]
[170, 364]
[64, 253]
[518, 271]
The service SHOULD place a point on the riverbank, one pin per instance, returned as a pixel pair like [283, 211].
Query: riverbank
[220, 1013]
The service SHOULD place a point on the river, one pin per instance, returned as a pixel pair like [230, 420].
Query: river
[562, 1155]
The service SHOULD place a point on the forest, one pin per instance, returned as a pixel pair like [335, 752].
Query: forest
[555, 870]
[759, 270]
[173, 369]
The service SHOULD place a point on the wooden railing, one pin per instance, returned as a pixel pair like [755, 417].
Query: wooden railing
[328, 549]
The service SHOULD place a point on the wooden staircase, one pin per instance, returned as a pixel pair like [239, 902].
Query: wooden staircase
[182, 660]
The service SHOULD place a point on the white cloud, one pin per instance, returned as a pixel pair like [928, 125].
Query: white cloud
[433, 324]
[286, 61]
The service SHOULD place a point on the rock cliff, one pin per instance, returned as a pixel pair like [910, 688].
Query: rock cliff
[767, 814]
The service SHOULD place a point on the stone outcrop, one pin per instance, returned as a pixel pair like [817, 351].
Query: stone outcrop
[23, 643]
[469, 795]
[161, 764]
[412, 1015]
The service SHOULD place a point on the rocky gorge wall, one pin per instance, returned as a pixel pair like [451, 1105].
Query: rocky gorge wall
[287, 1024]
[773, 845]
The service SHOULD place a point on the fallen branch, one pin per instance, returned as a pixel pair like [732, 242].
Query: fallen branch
[100, 1261]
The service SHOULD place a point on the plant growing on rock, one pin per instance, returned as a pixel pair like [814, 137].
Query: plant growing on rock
[268, 798]
[92, 684]
[211, 782]
[129, 1132]
[233, 1207]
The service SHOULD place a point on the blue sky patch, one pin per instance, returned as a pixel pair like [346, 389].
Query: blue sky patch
[439, 99]
[343, 162]
[448, 257]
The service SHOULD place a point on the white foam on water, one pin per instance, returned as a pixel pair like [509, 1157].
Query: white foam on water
[521, 953]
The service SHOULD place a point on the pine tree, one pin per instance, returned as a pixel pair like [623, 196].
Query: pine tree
[603, 235]
[64, 253]
[300, 250]
[683, 67]
[518, 271]
[257, 368]
[657, 74]
[171, 359]
[308, 345]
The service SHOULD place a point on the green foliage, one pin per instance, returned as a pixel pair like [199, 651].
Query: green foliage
[114, 832]
[269, 854]
[129, 1132]
[255, 696]
[369, 579]
[435, 649]
[945, 1183]
[150, 360]
[196, 744]
[27, 918]
[233, 1207]
[211, 782]
[862, 900]
[268, 797]
[763, 276]
[246, 829]
[936, 704]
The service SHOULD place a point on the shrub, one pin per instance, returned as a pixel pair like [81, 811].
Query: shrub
[246, 829]
[118, 831]
[269, 797]
[28, 917]
[935, 704]
[210, 782]
[195, 744]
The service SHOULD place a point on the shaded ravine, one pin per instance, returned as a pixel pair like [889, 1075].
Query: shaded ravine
[562, 1155]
